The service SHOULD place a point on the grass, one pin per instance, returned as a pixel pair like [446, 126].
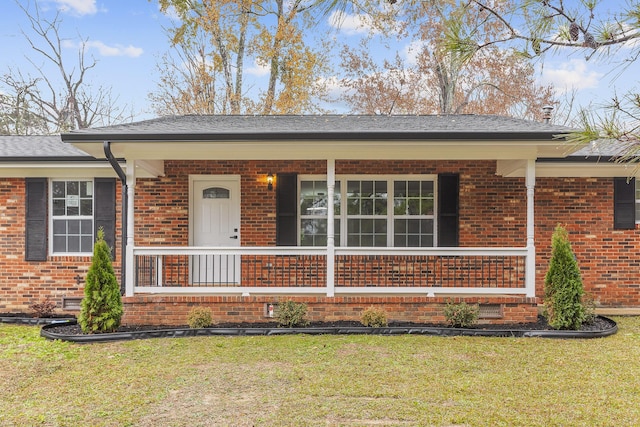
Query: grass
[321, 380]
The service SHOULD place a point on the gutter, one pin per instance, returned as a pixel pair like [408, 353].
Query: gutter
[123, 242]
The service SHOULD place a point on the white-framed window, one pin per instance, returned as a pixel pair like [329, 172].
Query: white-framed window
[372, 211]
[71, 216]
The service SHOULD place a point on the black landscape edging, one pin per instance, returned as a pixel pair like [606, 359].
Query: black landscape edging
[35, 320]
[338, 330]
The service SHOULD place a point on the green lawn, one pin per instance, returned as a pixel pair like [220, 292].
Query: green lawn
[321, 381]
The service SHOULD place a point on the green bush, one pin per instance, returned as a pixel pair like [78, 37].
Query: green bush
[291, 314]
[200, 317]
[101, 308]
[374, 318]
[563, 289]
[461, 315]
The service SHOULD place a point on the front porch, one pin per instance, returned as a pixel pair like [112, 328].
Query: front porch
[309, 270]
[387, 210]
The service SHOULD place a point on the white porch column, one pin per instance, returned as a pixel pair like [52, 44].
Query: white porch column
[530, 277]
[331, 241]
[131, 184]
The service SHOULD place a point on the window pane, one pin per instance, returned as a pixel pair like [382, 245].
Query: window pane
[427, 207]
[86, 189]
[73, 210]
[413, 188]
[413, 207]
[216, 193]
[366, 207]
[58, 207]
[73, 244]
[86, 227]
[86, 243]
[366, 188]
[73, 227]
[59, 243]
[86, 207]
[58, 189]
[73, 188]
[59, 227]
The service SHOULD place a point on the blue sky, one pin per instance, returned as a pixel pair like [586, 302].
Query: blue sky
[127, 39]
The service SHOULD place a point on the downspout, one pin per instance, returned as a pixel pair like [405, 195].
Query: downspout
[123, 242]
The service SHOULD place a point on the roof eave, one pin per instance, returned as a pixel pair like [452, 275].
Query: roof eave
[312, 136]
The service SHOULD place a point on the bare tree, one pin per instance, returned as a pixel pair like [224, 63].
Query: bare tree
[58, 102]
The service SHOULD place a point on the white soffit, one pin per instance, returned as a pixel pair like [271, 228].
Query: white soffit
[569, 169]
[320, 150]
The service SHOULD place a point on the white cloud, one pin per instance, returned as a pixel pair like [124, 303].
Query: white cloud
[350, 24]
[574, 74]
[258, 69]
[78, 7]
[105, 50]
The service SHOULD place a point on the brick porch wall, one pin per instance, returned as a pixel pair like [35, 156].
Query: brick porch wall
[173, 310]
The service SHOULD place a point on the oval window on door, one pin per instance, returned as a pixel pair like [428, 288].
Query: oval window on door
[215, 193]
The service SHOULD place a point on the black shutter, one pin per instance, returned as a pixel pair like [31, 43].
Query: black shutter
[448, 212]
[287, 209]
[36, 219]
[105, 211]
[624, 204]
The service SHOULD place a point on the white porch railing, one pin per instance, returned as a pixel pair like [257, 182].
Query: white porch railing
[304, 270]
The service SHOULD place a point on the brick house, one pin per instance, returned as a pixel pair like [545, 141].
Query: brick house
[341, 212]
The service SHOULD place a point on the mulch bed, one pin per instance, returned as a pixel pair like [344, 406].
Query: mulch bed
[600, 324]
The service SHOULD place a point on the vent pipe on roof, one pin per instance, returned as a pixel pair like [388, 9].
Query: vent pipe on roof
[546, 114]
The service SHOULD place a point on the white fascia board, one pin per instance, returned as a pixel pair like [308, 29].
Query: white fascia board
[57, 170]
[321, 150]
[517, 169]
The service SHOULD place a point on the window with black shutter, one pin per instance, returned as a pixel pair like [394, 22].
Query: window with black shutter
[624, 203]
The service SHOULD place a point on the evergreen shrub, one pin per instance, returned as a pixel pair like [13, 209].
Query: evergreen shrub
[563, 288]
[101, 308]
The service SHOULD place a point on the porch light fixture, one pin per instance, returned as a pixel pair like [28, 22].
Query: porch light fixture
[270, 181]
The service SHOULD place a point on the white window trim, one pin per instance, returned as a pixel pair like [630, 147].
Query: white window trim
[51, 218]
[390, 211]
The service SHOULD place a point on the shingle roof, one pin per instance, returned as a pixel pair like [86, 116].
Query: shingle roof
[318, 127]
[41, 147]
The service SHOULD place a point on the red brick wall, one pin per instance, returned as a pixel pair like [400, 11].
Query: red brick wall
[173, 310]
[609, 259]
[23, 283]
[492, 213]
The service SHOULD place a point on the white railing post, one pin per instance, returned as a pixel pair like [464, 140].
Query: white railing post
[331, 241]
[530, 278]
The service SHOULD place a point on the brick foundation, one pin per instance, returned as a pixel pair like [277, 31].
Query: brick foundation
[172, 310]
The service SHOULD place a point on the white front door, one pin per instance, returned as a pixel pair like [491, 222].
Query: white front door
[215, 222]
